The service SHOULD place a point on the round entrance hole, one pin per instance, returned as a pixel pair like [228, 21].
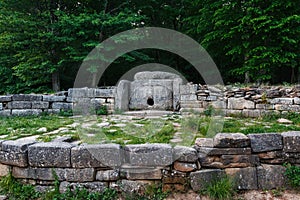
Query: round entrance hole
[150, 101]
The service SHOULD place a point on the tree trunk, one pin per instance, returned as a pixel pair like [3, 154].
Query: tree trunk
[247, 78]
[55, 81]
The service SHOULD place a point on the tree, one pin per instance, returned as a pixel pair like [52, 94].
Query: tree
[253, 38]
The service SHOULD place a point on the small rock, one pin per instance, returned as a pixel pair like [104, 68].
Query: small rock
[103, 124]
[284, 121]
[42, 130]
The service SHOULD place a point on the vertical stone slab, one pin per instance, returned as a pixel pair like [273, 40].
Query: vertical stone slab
[176, 93]
[122, 95]
[244, 178]
[271, 177]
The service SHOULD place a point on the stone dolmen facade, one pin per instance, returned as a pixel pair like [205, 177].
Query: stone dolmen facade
[159, 91]
[255, 161]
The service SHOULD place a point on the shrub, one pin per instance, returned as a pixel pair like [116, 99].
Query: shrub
[221, 189]
[293, 175]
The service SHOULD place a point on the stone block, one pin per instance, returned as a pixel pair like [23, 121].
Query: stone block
[13, 158]
[271, 177]
[188, 97]
[39, 105]
[18, 146]
[62, 106]
[240, 104]
[26, 112]
[138, 173]
[5, 113]
[296, 100]
[26, 97]
[50, 154]
[108, 175]
[284, 107]
[188, 89]
[98, 155]
[251, 113]
[19, 105]
[47, 174]
[5, 98]
[265, 106]
[138, 186]
[204, 142]
[185, 167]
[265, 142]
[229, 161]
[185, 154]
[288, 101]
[219, 104]
[201, 179]
[104, 93]
[78, 92]
[231, 140]
[206, 151]
[235, 113]
[149, 154]
[291, 141]
[54, 98]
[14, 153]
[24, 172]
[90, 186]
[4, 170]
[244, 178]
[52, 111]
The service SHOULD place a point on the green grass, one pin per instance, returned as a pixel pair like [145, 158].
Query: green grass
[17, 127]
[220, 189]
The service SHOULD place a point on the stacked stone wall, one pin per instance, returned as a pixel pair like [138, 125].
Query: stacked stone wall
[248, 102]
[36, 104]
[255, 161]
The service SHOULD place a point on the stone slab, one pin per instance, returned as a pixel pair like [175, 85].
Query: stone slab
[108, 175]
[26, 97]
[201, 179]
[265, 142]
[244, 178]
[149, 154]
[98, 155]
[19, 105]
[50, 154]
[206, 151]
[54, 98]
[185, 154]
[291, 141]
[62, 106]
[231, 140]
[90, 186]
[5, 98]
[271, 177]
[39, 105]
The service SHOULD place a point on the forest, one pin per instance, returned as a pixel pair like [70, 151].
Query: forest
[43, 43]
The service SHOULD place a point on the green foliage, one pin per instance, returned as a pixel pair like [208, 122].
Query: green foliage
[293, 174]
[152, 192]
[102, 110]
[9, 185]
[220, 189]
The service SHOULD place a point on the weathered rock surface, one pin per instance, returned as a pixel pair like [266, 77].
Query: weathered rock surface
[51, 154]
[231, 140]
[244, 178]
[265, 142]
[200, 179]
[271, 177]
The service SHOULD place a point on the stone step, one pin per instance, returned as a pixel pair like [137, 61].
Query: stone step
[191, 105]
